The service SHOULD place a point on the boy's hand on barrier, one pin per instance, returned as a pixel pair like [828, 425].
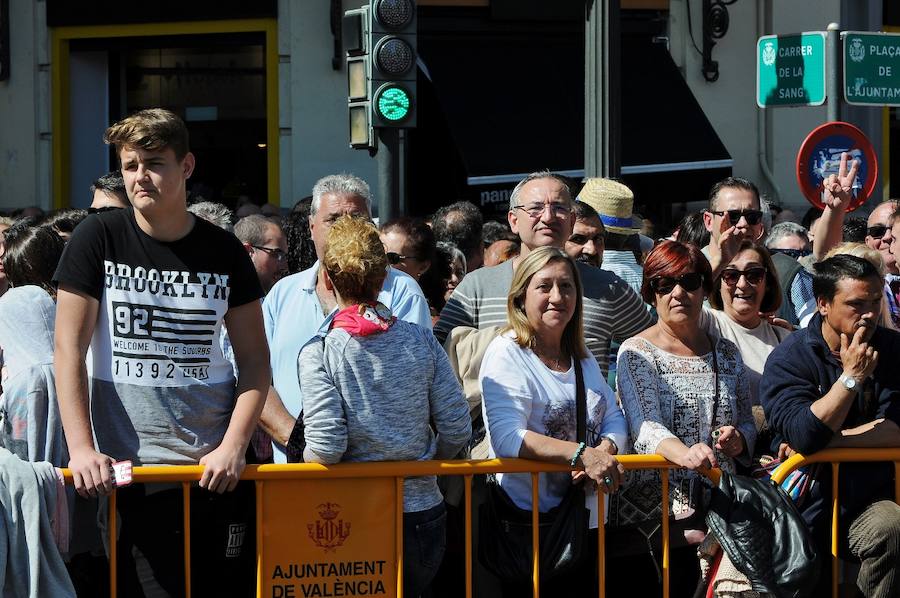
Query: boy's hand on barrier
[223, 468]
[91, 472]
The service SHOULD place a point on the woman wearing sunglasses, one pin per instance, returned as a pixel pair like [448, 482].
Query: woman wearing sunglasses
[686, 397]
[745, 290]
[409, 245]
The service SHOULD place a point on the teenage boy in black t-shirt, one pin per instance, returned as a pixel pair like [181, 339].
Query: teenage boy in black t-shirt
[148, 289]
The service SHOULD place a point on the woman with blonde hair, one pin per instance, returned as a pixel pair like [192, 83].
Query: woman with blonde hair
[530, 377]
[373, 386]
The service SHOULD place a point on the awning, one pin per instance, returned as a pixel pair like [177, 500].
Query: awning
[514, 104]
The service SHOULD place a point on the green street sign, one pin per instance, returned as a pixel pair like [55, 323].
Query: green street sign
[871, 68]
[790, 70]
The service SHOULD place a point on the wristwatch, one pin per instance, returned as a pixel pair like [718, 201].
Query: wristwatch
[849, 383]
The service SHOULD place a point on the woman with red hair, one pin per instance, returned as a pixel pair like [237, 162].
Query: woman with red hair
[685, 396]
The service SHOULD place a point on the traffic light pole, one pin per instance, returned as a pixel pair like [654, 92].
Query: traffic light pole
[389, 181]
[602, 105]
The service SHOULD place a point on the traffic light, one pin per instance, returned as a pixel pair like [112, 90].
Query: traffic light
[392, 59]
[356, 42]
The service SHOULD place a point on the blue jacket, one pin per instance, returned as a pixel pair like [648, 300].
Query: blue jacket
[801, 370]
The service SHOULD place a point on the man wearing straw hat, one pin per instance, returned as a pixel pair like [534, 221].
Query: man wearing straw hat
[613, 203]
[541, 213]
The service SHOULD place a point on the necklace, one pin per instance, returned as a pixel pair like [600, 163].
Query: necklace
[551, 362]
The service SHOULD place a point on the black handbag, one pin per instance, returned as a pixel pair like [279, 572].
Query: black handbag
[505, 546]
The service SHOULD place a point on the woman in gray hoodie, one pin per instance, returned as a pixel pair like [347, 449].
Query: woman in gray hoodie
[374, 386]
[29, 416]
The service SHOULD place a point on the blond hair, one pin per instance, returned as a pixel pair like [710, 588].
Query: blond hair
[151, 130]
[873, 256]
[573, 336]
[354, 259]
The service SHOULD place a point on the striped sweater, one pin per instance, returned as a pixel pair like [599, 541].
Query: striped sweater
[612, 310]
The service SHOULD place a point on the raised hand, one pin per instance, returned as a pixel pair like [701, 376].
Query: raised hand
[858, 356]
[836, 193]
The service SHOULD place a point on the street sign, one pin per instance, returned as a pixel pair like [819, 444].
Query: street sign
[790, 70]
[820, 156]
[871, 68]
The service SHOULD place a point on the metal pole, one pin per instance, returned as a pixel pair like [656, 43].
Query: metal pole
[402, 200]
[388, 142]
[601, 89]
[833, 73]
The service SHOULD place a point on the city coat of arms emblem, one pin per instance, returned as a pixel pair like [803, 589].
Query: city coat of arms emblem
[329, 531]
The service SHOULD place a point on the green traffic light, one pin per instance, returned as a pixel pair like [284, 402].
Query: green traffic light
[393, 104]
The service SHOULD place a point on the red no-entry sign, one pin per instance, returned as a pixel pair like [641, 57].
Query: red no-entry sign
[820, 156]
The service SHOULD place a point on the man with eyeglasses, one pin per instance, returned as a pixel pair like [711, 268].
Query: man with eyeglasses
[541, 213]
[733, 215]
[267, 246]
[301, 305]
[790, 248]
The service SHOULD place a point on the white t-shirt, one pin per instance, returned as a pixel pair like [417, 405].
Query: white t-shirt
[755, 344]
[520, 394]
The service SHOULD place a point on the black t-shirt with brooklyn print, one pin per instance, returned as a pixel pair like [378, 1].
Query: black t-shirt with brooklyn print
[161, 390]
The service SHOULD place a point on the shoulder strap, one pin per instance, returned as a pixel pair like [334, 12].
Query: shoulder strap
[715, 364]
[580, 402]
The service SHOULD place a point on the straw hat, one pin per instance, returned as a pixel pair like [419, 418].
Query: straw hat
[613, 201]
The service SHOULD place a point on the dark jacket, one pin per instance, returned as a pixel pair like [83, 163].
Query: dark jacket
[762, 533]
[800, 371]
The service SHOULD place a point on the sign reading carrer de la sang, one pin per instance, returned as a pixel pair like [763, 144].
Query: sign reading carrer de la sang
[790, 70]
[329, 538]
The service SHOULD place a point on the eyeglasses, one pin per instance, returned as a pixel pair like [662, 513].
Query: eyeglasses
[536, 210]
[731, 276]
[103, 209]
[663, 285]
[394, 258]
[793, 253]
[877, 231]
[734, 216]
[276, 253]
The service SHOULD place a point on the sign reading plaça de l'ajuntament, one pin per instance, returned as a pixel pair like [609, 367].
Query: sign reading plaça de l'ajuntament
[871, 68]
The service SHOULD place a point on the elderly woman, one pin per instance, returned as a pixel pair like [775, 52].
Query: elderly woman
[746, 288]
[685, 394]
[528, 378]
[409, 244]
[374, 386]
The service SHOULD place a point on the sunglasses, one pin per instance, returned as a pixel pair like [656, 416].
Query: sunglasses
[663, 285]
[877, 231]
[394, 258]
[734, 216]
[793, 253]
[731, 276]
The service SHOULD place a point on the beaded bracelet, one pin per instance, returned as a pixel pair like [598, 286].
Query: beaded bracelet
[581, 447]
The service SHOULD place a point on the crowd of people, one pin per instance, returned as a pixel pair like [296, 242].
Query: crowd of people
[163, 331]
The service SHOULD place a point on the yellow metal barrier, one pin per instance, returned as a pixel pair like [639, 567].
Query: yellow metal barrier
[835, 457]
[397, 470]
[467, 469]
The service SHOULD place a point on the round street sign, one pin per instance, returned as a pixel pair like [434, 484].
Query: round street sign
[820, 156]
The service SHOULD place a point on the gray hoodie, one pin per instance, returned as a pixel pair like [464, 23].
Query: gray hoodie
[30, 426]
